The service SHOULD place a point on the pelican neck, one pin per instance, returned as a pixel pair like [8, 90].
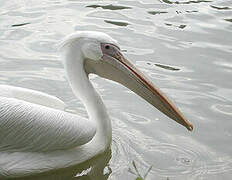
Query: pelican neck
[84, 90]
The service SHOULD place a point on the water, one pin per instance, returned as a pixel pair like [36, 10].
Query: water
[183, 46]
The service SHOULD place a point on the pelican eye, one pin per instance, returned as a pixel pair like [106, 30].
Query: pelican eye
[107, 47]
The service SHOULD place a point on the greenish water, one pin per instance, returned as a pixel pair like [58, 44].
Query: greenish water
[184, 47]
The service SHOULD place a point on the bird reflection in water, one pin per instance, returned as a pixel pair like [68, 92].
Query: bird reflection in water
[97, 168]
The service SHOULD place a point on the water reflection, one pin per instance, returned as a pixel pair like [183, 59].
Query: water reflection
[184, 46]
[97, 168]
[117, 23]
[223, 108]
[220, 8]
[182, 26]
[167, 67]
[110, 7]
[185, 2]
[157, 12]
[22, 24]
[228, 20]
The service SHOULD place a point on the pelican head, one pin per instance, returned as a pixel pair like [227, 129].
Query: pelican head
[102, 56]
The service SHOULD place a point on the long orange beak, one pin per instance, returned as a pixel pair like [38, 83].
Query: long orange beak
[116, 67]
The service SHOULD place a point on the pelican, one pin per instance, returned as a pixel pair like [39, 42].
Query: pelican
[37, 135]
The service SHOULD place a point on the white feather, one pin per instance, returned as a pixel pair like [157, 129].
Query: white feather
[30, 127]
[31, 96]
[36, 135]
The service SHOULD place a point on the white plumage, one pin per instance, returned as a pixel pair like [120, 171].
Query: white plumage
[32, 96]
[25, 128]
[36, 135]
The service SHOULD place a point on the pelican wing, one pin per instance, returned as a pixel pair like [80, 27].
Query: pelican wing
[32, 96]
[26, 126]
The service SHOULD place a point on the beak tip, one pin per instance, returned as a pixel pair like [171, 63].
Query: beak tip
[190, 127]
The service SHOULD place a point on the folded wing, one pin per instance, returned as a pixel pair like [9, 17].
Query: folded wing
[26, 126]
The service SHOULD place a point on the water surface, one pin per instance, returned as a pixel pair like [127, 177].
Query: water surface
[183, 46]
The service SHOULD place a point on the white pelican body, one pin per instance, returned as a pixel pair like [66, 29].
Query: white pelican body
[37, 135]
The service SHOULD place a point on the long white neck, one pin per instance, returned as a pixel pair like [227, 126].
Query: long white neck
[83, 89]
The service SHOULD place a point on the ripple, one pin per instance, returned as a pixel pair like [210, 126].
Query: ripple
[190, 39]
[180, 160]
[167, 67]
[42, 73]
[157, 12]
[110, 7]
[186, 2]
[223, 108]
[16, 34]
[228, 20]
[167, 159]
[158, 66]
[224, 64]
[26, 14]
[136, 118]
[43, 46]
[117, 23]
[214, 168]
[108, 15]
[22, 24]
[182, 26]
[138, 51]
[220, 8]
[191, 11]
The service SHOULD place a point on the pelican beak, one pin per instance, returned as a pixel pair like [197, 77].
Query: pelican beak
[116, 67]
